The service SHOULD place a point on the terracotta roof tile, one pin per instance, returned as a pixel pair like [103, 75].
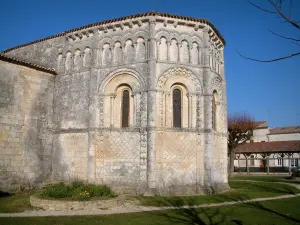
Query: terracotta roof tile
[121, 19]
[27, 64]
[285, 130]
[264, 147]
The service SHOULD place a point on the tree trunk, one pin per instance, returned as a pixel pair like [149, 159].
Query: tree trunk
[231, 163]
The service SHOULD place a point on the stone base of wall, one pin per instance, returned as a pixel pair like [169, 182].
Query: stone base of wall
[190, 190]
[56, 205]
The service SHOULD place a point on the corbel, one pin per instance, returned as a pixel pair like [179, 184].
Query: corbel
[165, 23]
[140, 23]
[130, 24]
[175, 24]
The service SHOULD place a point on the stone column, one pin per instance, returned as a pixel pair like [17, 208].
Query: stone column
[179, 46]
[289, 162]
[190, 109]
[247, 163]
[207, 97]
[268, 164]
[112, 98]
[151, 107]
[168, 50]
[93, 123]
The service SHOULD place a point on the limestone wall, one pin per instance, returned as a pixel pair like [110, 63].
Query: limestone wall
[149, 58]
[178, 162]
[26, 109]
[119, 160]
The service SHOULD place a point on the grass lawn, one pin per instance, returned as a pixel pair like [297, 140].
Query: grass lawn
[15, 203]
[266, 178]
[285, 211]
[240, 191]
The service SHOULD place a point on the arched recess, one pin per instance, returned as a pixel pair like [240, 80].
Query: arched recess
[215, 111]
[60, 62]
[162, 49]
[184, 50]
[87, 57]
[77, 60]
[190, 89]
[174, 50]
[129, 51]
[68, 62]
[118, 53]
[113, 89]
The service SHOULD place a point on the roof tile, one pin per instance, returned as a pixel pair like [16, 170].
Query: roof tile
[269, 147]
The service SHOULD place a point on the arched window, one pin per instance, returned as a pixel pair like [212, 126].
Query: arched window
[125, 109]
[176, 108]
[214, 110]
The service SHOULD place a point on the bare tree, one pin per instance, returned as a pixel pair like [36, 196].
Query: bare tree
[240, 127]
[282, 9]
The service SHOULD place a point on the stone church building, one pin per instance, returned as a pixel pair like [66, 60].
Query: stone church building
[137, 103]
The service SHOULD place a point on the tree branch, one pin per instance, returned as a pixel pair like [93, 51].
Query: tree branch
[261, 8]
[270, 60]
[283, 15]
[289, 38]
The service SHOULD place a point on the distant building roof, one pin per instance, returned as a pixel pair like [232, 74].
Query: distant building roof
[27, 64]
[261, 124]
[285, 130]
[269, 147]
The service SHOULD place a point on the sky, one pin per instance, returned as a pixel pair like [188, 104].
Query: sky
[268, 91]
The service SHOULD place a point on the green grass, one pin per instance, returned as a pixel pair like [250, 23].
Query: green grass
[240, 190]
[283, 212]
[266, 178]
[15, 203]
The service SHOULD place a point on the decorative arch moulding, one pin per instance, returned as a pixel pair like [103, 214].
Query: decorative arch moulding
[104, 26]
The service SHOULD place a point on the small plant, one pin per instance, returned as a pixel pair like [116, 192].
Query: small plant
[101, 190]
[59, 190]
[84, 195]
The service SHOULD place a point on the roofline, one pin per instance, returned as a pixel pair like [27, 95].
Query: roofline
[265, 151]
[27, 64]
[296, 132]
[135, 16]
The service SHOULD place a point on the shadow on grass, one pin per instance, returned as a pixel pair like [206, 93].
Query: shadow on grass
[185, 210]
[4, 194]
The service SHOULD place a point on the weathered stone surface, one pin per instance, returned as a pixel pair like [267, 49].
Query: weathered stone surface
[25, 126]
[57, 205]
[75, 120]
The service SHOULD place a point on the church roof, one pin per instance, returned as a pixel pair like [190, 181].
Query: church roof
[135, 16]
[27, 64]
[269, 147]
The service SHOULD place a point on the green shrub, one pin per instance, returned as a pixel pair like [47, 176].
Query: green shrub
[77, 190]
[100, 190]
[59, 190]
[77, 184]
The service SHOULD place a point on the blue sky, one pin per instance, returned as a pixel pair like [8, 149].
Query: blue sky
[268, 91]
